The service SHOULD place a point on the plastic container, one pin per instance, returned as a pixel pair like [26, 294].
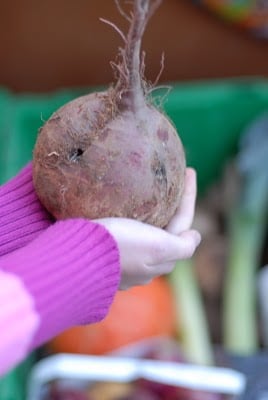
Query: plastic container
[209, 116]
[156, 366]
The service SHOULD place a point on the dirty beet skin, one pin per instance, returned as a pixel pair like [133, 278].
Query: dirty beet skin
[112, 153]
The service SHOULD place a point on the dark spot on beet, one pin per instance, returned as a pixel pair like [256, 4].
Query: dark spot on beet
[159, 170]
[146, 208]
[162, 135]
[76, 154]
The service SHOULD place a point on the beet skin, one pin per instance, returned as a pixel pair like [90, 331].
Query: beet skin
[112, 153]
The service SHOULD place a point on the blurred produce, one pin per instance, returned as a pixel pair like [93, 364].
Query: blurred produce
[210, 259]
[136, 313]
[110, 390]
[197, 283]
[246, 230]
[56, 393]
[192, 329]
[216, 290]
[140, 389]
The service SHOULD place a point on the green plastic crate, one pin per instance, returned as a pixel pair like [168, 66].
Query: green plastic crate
[209, 116]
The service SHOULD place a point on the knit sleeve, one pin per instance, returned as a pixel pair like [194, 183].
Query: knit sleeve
[68, 275]
[22, 217]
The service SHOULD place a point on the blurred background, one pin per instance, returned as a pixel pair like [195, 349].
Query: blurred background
[50, 44]
[54, 50]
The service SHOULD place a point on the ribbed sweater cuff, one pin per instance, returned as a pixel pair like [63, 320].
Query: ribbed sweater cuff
[22, 217]
[72, 273]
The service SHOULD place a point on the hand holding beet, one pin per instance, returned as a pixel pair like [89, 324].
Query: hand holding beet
[147, 251]
[114, 157]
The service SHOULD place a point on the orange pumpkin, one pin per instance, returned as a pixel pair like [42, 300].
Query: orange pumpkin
[138, 313]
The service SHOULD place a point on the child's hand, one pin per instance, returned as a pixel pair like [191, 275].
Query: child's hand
[147, 251]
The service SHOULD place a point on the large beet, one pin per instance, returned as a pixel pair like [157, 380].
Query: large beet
[112, 153]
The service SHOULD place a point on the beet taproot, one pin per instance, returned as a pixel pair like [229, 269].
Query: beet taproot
[113, 153]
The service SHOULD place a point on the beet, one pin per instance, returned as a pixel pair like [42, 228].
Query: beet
[112, 153]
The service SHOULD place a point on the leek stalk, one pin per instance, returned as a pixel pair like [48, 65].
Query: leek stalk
[191, 317]
[247, 224]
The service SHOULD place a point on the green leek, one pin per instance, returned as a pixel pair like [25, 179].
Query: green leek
[246, 229]
[191, 318]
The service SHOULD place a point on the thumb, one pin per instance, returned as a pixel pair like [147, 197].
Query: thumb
[190, 240]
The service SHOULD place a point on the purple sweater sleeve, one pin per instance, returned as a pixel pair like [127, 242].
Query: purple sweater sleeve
[52, 275]
[22, 217]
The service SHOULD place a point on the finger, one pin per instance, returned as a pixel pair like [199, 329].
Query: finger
[184, 216]
[174, 248]
[161, 269]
